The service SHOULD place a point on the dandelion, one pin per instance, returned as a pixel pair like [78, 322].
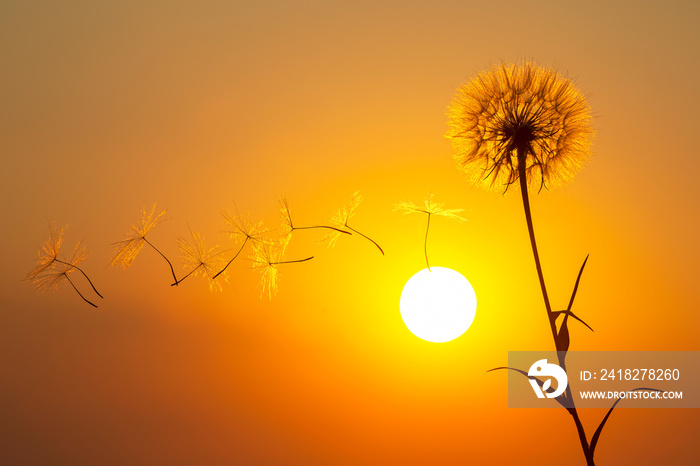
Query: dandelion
[266, 258]
[288, 225]
[430, 208]
[126, 250]
[51, 270]
[520, 122]
[342, 217]
[242, 229]
[203, 261]
[526, 124]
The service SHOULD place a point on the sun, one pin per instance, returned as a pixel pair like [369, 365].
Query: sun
[438, 304]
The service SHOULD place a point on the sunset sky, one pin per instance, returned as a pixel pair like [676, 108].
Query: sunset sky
[109, 106]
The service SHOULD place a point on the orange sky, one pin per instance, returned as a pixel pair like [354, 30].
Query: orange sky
[196, 106]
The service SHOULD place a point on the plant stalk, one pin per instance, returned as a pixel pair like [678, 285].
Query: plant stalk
[234, 258]
[292, 262]
[76, 290]
[166, 259]
[84, 275]
[425, 243]
[191, 272]
[312, 227]
[522, 175]
[365, 236]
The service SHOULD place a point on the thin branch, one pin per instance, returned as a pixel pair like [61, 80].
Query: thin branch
[292, 262]
[321, 226]
[522, 174]
[587, 452]
[531, 230]
[234, 258]
[425, 244]
[172, 270]
[76, 290]
[367, 237]
[191, 272]
[84, 275]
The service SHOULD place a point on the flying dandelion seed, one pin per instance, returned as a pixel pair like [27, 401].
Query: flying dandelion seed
[341, 219]
[288, 224]
[242, 229]
[48, 251]
[266, 258]
[202, 261]
[430, 208]
[126, 250]
[50, 277]
[52, 271]
[520, 121]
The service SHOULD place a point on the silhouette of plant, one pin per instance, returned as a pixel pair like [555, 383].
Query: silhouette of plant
[288, 225]
[51, 270]
[430, 208]
[527, 124]
[126, 250]
[202, 261]
[242, 229]
[520, 122]
[341, 219]
[266, 258]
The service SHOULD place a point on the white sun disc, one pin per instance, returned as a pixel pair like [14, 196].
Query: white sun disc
[438, 305]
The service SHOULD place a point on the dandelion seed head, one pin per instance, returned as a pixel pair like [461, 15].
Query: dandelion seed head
[49, 277]
[265, 258]
[147, 221]
[48, 251]
[126, 250]
[520, 113]
[341, 218]
[429, 207]
[243, 228]
[205, 262]
[79, 254]
[286, 215]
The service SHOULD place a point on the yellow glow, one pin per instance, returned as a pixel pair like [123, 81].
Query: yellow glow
[438, 305]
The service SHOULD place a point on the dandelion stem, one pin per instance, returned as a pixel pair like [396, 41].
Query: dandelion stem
[322, 226]
[234, 258]
[84, 275]
[587, 452]
[522, 175]
[292, 262]
[76, 290]
[531, 230]
[425, 244]
[177, 282]
[166, 259]
[365, 236]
